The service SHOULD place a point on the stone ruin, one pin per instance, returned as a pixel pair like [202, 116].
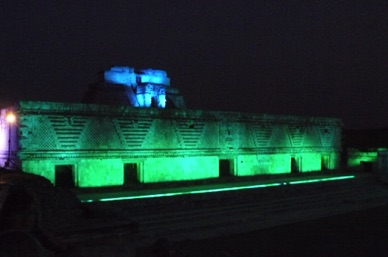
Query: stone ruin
[135, 87]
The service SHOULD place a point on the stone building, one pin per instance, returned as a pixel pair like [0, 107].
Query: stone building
[366, 150]
[105, 144]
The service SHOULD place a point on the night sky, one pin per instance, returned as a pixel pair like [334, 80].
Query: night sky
[314, 58]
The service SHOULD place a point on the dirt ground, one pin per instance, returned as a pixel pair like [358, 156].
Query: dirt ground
[362, 233]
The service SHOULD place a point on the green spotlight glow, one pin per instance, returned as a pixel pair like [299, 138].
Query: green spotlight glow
[356, 157]
[225, 189]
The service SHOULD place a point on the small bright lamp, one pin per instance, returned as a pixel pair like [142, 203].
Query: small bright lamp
[11, 118]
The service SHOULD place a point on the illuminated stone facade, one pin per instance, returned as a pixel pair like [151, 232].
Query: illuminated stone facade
[89, 145]
[367, 149]
[144, 87]
[137, 88]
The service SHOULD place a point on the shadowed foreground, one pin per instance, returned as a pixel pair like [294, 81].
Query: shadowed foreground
[361, 233]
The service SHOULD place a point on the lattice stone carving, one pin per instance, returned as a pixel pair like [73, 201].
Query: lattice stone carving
[67, 129]
[326, 134]
[133, 131]
[296, 133]
[190, 132]
[261, 134]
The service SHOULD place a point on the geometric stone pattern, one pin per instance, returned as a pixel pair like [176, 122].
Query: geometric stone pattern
[68, 130]
[326, 134]
[296, 133]
[189, 132]
[133, 131]
[261, 134]
[97, 141]
[36, 133]
[103, 129]
[229, 135]
[99, 134]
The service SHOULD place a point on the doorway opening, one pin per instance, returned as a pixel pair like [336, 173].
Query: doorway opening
[64, 176]
[295, 165]
[366, 166]
[225, 168]
[325, 162]
[131, 174]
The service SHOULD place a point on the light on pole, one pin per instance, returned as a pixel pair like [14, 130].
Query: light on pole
[10, 118]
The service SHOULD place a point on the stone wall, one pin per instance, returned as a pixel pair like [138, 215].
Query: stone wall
[97, 141]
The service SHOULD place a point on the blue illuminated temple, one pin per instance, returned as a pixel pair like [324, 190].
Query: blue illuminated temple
[146, 87]
[122, 85]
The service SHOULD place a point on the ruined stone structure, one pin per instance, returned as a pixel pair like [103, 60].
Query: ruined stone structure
[101, 145]
[366, 150]
[92, 145]
[137, 88]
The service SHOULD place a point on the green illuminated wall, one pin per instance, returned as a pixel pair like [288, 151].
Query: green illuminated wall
[248, 165]
[310, 162]
[373, 155]
[355, 157]
[87, 173]
[180, 168]
[43, 168]
[104, 172]
[168, 144]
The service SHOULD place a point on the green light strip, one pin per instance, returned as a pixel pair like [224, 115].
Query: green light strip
[203, 191]
[319, 180]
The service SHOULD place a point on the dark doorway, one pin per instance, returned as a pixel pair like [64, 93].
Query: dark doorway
[294, 165]
[131, 175]
[366, 166]
[64, 175]
[154, 102]
[225, 169]
[325, 162]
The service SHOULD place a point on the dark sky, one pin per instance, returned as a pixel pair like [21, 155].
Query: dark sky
[315, 58]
